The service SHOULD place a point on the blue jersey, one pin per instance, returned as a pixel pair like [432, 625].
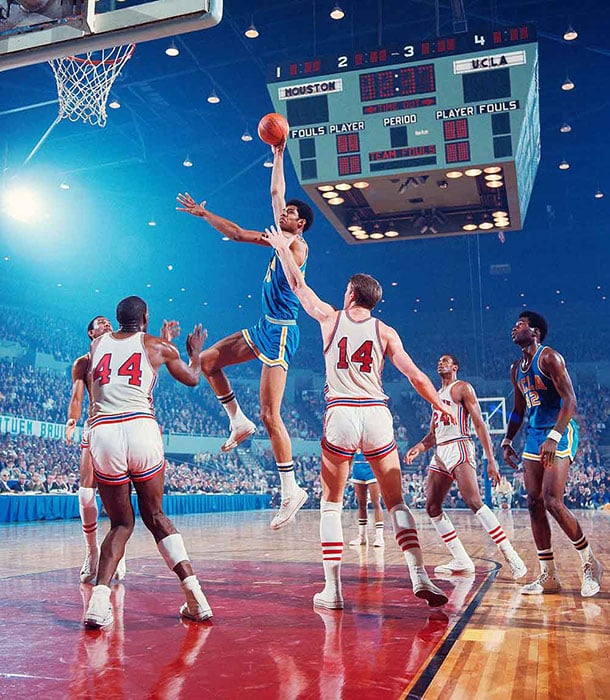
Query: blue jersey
[543, 401]
[278, 300]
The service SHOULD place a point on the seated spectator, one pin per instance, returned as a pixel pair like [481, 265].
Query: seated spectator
[4, 487]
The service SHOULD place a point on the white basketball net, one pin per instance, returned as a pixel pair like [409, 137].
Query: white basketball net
[84, 82]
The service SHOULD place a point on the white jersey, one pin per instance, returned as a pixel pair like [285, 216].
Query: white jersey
[120, 377]
[354, 360]
[444, 431]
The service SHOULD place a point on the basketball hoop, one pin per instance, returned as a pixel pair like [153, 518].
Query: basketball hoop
[84, 82]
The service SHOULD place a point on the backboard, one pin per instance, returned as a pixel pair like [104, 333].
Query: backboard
[493, 410]
[34, 31]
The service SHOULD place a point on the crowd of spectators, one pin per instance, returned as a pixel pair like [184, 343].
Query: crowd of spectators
[46, 465]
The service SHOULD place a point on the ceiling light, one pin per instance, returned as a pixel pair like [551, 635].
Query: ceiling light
[252, 31]
[500, 213]
[567, 84]
[114, 103]
[152, 222]
[336, 200]
[66, 186]
[187, 162]
[599, 194]
[343, 186]
[337, 12]
[361, 236]
[331, 194]
[246, 136]
[485, 225]
[495, 183]
[470, 227]
[501, 223]
[361, 185]
[213, 98]
[354, 227]
[565, 128]
[376, 235]
[473, 172]
[564, 165]
[454, 174]
[325, 188]
[172, 50]
[268, 162]
[492, 178]
[570, 33]
[392, 233]
[492, 169]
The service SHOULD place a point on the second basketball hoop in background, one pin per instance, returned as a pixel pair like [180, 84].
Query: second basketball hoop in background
[273, 129]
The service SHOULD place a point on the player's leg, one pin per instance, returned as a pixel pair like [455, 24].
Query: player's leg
[465, 475]
[87, 507]
[117, 504]
[360, 490]
[231, 350]
[375, 495]
[553, 490]
[170, 545]
[438, 484]
[387, 470]
[548, 580]
[333, 475]
[272, 385]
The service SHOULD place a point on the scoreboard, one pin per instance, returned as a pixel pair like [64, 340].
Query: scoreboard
[435, 137]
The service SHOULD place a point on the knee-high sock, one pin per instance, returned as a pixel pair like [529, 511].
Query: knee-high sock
[405, 533]
[445, 529]
[494, 529]
[331, 538]
[87, 507]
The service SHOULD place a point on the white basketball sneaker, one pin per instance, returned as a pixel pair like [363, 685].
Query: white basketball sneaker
[99, 611]
[239, 432]
[455, 566]
[288, 508]
[88, 570]
[592, 572]
[545, 583]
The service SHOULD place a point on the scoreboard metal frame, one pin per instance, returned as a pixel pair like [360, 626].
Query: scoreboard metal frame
[399, 120]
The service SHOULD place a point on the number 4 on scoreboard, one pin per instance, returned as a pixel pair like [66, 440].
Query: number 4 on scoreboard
[479, 39]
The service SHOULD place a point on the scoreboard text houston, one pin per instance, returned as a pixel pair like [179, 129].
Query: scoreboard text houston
[437, 137]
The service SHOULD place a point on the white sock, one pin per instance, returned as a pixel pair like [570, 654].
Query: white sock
[445, 529]
[231, 406]
[331, 539]
[379, 530]
[494, 529]
[362, 523]
[87, 507]
[546, 558]
[583, 549]
[405, 533]
[287, 477]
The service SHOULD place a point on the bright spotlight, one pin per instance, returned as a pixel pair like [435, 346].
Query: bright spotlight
[22, 204]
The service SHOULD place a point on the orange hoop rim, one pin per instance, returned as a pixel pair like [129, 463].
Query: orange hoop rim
[105, 61]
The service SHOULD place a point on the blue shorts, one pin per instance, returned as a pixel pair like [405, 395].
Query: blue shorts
[273, 342]
[566, 447]
[362, 472]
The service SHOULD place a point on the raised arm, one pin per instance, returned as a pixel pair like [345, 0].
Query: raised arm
[278, 182]
[514, 421]
[310, 301]
[467, 397]
[404, 364]
[162, 352]
[227, 228]
[75, 407]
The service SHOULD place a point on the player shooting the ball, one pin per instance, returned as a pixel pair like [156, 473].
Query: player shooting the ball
[273, 340]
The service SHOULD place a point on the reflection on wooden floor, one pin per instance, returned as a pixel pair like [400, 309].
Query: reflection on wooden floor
[267, 642]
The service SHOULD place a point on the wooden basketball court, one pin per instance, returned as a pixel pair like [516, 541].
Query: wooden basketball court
[266, 641]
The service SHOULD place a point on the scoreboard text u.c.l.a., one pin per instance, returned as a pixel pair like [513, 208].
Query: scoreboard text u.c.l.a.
[392, 138]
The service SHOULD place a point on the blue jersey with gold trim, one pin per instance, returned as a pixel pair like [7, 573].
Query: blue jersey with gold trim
[543, 401]
[278, 300]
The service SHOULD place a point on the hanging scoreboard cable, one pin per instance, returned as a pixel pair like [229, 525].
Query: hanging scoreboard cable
[437, 137]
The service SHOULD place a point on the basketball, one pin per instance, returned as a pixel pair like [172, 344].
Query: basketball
[273, 129]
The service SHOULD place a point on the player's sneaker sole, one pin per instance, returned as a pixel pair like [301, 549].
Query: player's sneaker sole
[289, 508]
[431, 594]
[201, 615]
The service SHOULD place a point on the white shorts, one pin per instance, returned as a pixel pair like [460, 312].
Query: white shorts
[368, 428]
[450, 455]
[126, 450]
[84, 441]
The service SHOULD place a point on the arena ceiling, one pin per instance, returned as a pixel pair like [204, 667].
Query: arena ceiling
[94, 244]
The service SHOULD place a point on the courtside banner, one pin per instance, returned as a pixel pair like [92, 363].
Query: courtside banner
[26, 426]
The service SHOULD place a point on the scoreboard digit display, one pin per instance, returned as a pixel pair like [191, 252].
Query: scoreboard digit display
[436, 137]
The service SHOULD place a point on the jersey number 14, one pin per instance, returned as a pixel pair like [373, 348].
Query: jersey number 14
[363, 356]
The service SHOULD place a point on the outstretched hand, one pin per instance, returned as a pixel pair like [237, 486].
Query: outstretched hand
[277, 239]
[195, 341]
[170, 330]
[412, 453]
[70, 428]
[189, 205]
[278, 149]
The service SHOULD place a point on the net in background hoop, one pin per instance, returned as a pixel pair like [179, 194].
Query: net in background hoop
[84, 82]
